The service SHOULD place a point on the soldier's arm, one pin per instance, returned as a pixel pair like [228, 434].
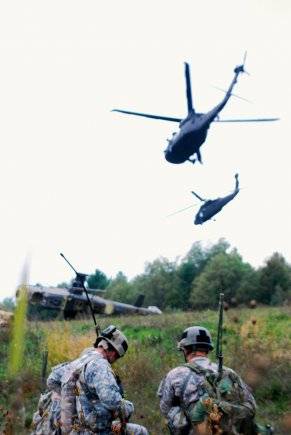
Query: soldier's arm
[100, 379]
[166, 394]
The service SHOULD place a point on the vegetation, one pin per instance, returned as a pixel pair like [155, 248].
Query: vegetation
[193, 282]
[256, 344]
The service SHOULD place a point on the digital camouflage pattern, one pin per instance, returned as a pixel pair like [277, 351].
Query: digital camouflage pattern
[46, 419]
[98, 399]
[180, 393]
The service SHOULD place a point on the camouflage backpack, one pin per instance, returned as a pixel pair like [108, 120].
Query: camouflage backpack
[45, 420]
[69, 392]
[226, 404]
[56, 411]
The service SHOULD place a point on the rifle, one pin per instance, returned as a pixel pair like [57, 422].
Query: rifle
[43, 370]
[219, 336]
[81, 277]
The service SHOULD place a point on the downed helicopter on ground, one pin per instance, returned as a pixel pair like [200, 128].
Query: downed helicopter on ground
[73, 302]
[193, 129]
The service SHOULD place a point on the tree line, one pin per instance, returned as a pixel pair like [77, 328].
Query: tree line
[195, 281]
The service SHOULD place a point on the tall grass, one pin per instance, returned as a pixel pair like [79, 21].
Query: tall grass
[256, 344]
[18, 334]
[14, 416]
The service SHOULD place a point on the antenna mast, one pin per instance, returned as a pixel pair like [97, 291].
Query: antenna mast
[81, 278]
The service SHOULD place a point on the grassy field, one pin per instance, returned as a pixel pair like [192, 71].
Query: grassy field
[256, 344]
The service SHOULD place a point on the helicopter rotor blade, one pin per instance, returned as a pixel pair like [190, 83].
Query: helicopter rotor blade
[247, 120]
[233, 95]
[245, 56]
[188, 88]
[241, 68]
[181, 210]
[244, 61]
[146, 115]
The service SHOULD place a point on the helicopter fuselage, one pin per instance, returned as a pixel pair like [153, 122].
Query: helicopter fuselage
[193, 132]
[212, 207]
[187, 141]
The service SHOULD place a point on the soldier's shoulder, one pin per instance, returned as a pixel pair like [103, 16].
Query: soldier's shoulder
[60, 366]
[178, 371]
[97, 363]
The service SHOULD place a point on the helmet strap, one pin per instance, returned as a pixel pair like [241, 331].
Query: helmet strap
[107, 354]
[185, 354]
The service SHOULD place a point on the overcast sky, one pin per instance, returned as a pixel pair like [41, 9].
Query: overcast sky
[79, 179]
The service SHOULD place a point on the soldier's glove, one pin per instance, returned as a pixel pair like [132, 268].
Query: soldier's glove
[127, 409]
[205, 406]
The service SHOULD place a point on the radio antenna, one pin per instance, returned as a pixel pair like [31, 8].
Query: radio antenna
[81, 277]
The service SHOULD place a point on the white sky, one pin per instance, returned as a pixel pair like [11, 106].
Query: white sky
[79, 179]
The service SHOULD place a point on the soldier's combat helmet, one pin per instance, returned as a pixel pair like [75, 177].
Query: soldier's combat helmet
[196, 336]
[115, 338]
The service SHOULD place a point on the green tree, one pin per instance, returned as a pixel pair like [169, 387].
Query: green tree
[193, 264]
[274, 280]
[160, 284]
[225, 273]
[8, 304]
[98, 280]
[119, 289]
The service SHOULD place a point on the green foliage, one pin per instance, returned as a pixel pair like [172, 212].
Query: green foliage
[119, 289]
[275, 280]
[17, 343]
[7, 304]
[257, 345]
[98, 280]
[196, 280]
[224, 273]
[160, 284]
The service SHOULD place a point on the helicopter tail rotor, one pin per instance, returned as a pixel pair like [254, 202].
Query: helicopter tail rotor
[241, 68]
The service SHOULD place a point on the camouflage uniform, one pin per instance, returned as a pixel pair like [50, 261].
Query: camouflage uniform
[99, 400]
[182, 388]
[46, 419]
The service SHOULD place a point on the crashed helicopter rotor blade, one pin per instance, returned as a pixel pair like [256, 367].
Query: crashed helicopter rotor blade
[146, 115]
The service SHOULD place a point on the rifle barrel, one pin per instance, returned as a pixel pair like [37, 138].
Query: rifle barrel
[219, 335]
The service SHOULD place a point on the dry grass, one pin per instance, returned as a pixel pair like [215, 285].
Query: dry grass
[257, 346]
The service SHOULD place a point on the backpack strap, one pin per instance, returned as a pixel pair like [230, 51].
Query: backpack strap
[208, 373]
[81, 379]
[199, 370]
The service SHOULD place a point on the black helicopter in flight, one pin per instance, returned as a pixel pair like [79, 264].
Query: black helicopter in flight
[213, 206]
[194, 128]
